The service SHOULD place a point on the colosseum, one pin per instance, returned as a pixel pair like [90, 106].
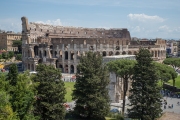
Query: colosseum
[62, 46]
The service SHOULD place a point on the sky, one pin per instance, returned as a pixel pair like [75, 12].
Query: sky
[143, 18]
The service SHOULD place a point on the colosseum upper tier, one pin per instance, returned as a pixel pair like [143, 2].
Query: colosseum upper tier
[62, 46]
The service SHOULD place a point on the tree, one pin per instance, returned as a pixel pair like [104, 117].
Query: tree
[23, 97]
[174, 62]
[91, 92]
[50, 93]
[11, 54]
[6, 112]
[4, 55]
[18, 43]
[124, 69]
[145, 98]
[165, 72]
[19, 57]
[13, 74]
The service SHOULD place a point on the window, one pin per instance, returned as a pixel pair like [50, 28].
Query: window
[47, 34]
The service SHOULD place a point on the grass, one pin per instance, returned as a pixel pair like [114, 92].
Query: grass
[69, 89]
[177, 82]
[170, 82]
[108, 118]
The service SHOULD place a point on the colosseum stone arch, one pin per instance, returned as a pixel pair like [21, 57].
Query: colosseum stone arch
[62, 46]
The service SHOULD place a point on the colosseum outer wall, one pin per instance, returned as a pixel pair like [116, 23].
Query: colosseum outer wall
[62, 46]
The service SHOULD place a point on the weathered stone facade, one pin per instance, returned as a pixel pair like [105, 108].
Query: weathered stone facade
[62, 46]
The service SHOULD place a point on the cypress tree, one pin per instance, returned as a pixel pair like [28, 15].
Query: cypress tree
[91, 92]
[50, 93]
[13, 74]
[145, 98]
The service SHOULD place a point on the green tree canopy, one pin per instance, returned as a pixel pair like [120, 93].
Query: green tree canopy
[6, 112]
[123, 68]
[23, 97]
[50, 93]
[91, 92]
[12, 75]
[174, 62]
[19, 57]
[11, 54]
[145, 98]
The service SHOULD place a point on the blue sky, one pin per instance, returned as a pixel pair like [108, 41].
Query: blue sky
[143, 18]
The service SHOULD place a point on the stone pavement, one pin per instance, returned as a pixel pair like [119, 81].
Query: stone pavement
[176, 107]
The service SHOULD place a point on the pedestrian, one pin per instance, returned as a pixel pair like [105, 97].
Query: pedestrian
[164, 106]
[172, 106]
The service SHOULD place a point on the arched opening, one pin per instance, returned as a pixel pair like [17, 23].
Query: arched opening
[28, 53]
[66, 69]
[40, 54]
[117, 45]
[66, 55]
[29, 66]
[61, 68]
[135, 52]
[155, 53]
[129, 53]
[55, 53]
[104, 53]
[39, 61]
[117, 53]
[110, 53]
[152, 52]
[72, 56]
[123, 53]
[51, 51]
[57, 63]
[32, 67]
[72, 69]
[36, 50]
[51, 47]
[45, 53]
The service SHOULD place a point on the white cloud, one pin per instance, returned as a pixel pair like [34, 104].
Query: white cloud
[164, 27]
[143, 17]
[136, 29]
[11, 24]
[51, 22]
[167, 29]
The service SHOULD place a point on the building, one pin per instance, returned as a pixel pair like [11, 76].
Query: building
[172, 47]
[178, 48]
[62, 46]
[6, 40]
[116, 84]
